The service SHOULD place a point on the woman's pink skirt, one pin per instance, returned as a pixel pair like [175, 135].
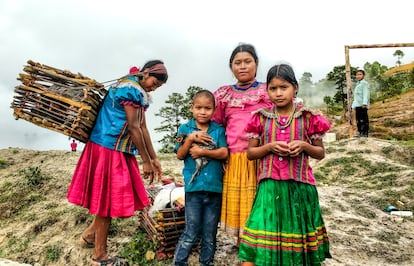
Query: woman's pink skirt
[108, 183]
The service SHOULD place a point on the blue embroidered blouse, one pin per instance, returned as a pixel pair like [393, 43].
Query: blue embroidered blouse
[111, 128]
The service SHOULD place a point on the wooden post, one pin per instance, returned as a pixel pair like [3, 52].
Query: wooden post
[348, 74]
[349, 91]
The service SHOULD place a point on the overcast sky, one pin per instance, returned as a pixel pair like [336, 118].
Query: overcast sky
[103, 39]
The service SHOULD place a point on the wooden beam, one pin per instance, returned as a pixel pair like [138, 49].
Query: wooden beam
[348, 74]
[359, 46]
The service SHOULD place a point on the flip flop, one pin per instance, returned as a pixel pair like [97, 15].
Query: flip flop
[113, 261]
[85, 243]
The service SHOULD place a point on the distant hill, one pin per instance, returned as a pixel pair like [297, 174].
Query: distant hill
[401, 68]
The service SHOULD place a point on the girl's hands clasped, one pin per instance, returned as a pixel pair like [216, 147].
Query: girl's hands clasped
[295, 147]
[282, 148]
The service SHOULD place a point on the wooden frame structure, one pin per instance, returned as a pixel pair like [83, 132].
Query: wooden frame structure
[58, 100]
[348, 72]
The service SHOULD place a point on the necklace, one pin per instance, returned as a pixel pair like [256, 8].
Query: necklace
[289, 120]
[245, 86]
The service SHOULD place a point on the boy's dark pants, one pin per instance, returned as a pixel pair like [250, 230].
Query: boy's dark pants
[361, 115]
[202, 214]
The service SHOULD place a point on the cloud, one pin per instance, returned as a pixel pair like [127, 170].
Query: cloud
[102, 39]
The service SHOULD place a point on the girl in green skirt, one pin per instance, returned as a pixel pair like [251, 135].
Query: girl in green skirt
[285, 226]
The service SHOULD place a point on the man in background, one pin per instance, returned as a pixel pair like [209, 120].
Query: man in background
[361, 104]
[73, 145]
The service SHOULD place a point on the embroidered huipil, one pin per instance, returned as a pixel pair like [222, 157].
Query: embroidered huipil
[111, 128]
[306, 125]
[233, 110]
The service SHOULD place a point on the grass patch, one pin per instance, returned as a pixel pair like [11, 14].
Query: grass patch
[387, 236]
[367, 151]
[142, 251]
[387, 150]
[17, 244]
[53, 252]
[365, 212]
[382, 168]
[33, 176]
[3, 164]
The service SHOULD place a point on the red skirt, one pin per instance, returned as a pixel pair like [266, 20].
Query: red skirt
[108, 183]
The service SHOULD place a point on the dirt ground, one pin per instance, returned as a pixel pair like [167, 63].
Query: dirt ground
[358, 179]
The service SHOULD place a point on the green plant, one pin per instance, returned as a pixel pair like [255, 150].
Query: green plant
[53, 252]
[387, 150]
[365, 212]
[33, 176]
[141, 250]
[6, 185]
[115, 227]
[382, 168]
[18, 244]
[3, 164]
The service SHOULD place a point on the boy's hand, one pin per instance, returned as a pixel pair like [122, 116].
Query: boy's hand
[201, 137]
[196, 151]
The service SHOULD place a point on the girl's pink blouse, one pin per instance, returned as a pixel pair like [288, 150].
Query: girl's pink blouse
[310, 126]
[234, 109]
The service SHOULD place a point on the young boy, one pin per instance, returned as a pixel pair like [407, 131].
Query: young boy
[202, 145]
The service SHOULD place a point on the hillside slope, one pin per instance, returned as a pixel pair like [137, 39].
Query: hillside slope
[389, 119]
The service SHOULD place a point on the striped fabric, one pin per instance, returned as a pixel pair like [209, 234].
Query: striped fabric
[285, 226]
[298, 167]
[123, 141]
[239, 188]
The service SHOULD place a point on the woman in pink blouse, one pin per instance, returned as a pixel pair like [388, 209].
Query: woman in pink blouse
[285, 226]
[234, 104]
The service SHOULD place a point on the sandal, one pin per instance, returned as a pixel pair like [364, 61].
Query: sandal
[85, 243]
[114, 261]
[232, 249]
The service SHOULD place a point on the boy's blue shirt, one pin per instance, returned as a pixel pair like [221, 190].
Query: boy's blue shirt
[211, 176]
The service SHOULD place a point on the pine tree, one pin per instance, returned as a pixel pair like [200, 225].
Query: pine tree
[175, 112]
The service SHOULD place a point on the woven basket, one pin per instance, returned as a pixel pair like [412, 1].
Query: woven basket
[166, 227]
[58, 100]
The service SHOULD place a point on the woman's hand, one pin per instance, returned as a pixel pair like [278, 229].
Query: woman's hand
[156, 166]
[148, 171]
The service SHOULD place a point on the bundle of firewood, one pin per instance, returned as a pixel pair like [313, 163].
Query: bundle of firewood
[166, 227]
[58, 100]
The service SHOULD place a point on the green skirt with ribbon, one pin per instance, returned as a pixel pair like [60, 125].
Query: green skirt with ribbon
[285, 226]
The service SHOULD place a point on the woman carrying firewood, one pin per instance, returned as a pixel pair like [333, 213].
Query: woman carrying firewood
[107, 180]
